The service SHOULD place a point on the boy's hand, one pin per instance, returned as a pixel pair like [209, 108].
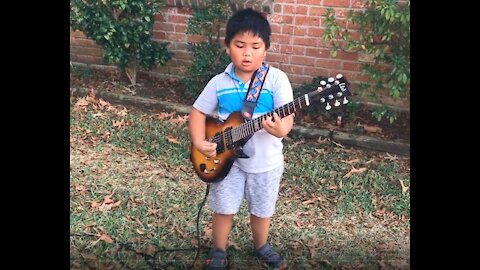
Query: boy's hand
[209, 149]
[277, 127]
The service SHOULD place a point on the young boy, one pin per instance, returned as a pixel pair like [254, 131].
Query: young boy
[257, 178]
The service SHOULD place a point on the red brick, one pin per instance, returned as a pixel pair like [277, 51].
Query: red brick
[315, 71]
[353, 66]
[336, 3]
[328, 63]
[308, 2]
[303, 10]
[289, 49]
[276, 57]
[318, 52]
[307, 41]
[316, 11]
[182, 19]
[302, 60]
[307, 20]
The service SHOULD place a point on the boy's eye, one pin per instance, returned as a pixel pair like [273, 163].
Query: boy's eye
[239, 46]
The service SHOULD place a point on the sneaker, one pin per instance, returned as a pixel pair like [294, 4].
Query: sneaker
[216, 260]
[271, 258]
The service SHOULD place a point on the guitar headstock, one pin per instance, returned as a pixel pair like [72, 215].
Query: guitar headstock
[334, 91]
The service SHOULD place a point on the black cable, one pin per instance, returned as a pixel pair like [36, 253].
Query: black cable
[198, 226]
[149, 259]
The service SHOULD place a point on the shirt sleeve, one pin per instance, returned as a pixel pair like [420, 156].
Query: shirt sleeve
[207, 101]
[283, 92]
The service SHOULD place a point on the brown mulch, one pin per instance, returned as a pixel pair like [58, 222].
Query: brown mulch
[170, 89]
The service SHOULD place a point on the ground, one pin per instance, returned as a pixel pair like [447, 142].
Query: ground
[357, 122]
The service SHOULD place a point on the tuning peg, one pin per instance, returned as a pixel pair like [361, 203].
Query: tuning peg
[345, 100]
[339, 76]
[330, 96]
[337, 103]
[328, 107]
[339, 94]
[323, 83]
[336, 82]
[322, 100]
[330, 79]
[319, 89]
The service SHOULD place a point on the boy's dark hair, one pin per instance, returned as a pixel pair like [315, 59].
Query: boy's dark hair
[248, 20]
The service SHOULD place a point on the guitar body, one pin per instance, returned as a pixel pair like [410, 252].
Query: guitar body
[216, 168]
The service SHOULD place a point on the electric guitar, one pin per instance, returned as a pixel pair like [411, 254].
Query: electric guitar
[232, 134]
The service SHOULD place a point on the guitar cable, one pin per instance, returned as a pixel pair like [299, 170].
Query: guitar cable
[150, 259]
[198, 224]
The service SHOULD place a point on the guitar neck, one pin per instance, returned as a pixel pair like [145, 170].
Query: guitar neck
[248, 128]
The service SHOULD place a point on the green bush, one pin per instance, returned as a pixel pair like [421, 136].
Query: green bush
[124, 30]
[384, 33]
[208, 57]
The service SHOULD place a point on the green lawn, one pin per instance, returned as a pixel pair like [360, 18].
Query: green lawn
[134, 197]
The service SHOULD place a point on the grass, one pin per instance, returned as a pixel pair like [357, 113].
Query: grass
[134, 198]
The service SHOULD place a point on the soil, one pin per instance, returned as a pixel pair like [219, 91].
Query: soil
[360, 121]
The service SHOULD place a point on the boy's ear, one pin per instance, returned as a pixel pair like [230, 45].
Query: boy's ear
[227, 50]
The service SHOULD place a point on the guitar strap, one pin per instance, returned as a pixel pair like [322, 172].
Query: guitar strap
[254, 89]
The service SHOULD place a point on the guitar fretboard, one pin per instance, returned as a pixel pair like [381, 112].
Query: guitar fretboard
[248, 128]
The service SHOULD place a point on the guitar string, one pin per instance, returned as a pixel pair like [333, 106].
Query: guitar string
[243, 128]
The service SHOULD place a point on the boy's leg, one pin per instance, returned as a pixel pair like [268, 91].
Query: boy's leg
[217, 258]
[259, 228]
[261, 194]
[220, 229]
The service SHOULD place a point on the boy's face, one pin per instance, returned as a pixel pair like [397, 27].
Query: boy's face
[246, 52]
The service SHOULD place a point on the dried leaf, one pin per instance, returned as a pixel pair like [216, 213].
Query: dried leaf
[322, 140]
[332, 187]
[404, 188]
[90, 224]
[234, 245]
[103, 103]
[309, 201]
[390, 157]
[163, 115]
[172, 139]
[107, 199]
[116, 123]
[80, 189]
[94, 204]
[179, 120]
[150, 250]
[354, 170]
[82, 102]
[105, 238]
[372, 129]
[116, 204]
[352, 161]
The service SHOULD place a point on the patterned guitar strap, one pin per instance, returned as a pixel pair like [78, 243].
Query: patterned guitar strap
[254, 89]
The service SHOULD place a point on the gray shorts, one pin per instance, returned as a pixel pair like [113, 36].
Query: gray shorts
[260, 191]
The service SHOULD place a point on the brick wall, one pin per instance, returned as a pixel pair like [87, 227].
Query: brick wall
[296, 45]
